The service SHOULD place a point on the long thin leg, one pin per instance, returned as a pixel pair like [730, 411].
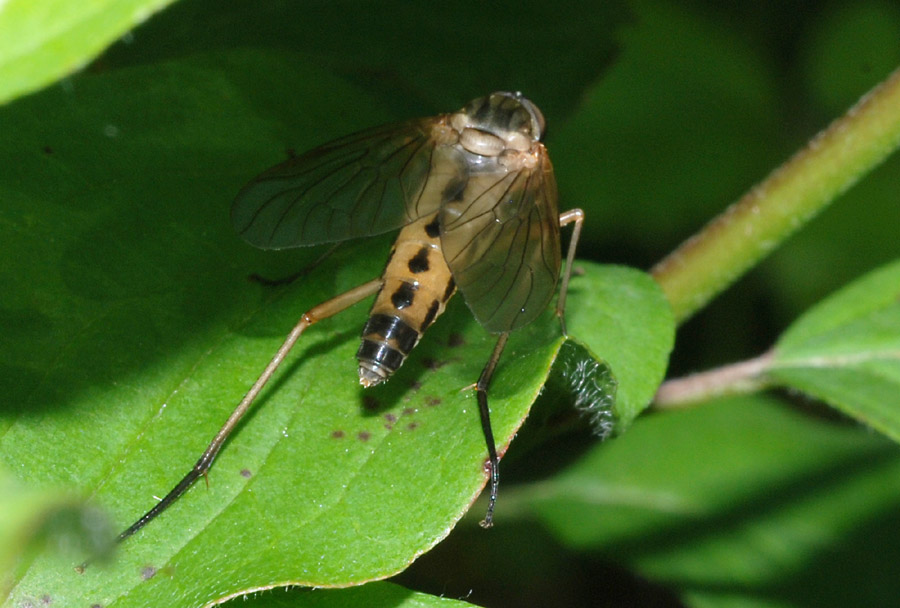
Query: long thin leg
[481, 391]
[572, 215]
[577, 216]
[317, 313]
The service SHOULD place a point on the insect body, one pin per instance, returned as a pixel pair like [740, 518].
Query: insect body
[475, 196]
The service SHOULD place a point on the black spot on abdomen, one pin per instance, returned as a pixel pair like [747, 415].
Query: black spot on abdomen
[430, 315]
[451, 287]
[433, 228]
[419, 263]
[404, 295]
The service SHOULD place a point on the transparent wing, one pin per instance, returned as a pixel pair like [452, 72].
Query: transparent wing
[360, 185]
[501, 241]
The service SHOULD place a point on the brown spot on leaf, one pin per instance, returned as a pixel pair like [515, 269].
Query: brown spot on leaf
[246, 474]
[456, 339]
[433, 364]
[363, 435]
[390, 417]
[338, 434]
[148, 572]
[432, 401]
[412, 426]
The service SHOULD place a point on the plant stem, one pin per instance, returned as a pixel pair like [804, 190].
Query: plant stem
[794, 193]
[744, 377]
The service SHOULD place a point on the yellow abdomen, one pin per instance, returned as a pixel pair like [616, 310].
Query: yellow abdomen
[417, 285]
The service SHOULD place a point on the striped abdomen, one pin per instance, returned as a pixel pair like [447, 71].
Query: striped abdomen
[417, 285]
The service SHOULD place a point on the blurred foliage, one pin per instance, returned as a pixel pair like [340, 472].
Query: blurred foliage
[659, 114]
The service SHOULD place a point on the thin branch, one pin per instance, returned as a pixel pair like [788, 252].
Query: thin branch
[744, 377]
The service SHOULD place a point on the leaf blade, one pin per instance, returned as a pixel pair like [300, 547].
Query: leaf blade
[846, 351]
[44, 40]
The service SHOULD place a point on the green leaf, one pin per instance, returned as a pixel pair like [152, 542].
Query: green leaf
[43, 40]
[846, 351]
[740, 501]
[374, 595]
[625, 320]
[134, 332]
[624, 316]
[621, 313]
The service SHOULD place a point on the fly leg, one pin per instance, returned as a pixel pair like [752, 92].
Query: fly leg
[317, 313]
[568, 217]
[481, 388]
[577, 216]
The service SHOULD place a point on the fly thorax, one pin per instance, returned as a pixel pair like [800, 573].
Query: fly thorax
[481, 142]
